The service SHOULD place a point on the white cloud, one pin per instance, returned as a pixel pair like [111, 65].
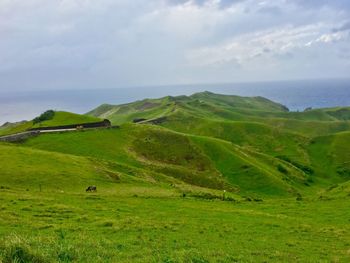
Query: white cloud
[109, 43]
[249, 46]
[328, 38]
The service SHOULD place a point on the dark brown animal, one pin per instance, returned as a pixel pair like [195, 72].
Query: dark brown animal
[91, 188]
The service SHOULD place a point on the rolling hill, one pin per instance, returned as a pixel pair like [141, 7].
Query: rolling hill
[257, 128]
[180, 179]
[246, 146]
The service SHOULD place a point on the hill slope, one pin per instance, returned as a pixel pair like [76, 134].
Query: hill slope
[59, 118]
[250, 146]
[197, 160]
[160, 185]
[255, 125]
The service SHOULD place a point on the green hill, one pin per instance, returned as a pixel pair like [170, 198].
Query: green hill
[215, 107]
[259, 127]
[197, 160]
[50, 171]
[194, 177]
[250, 146]
[199, 103]
[241, 144]
[58, 118]
[66, 118]
[139, 147]
[224, 107]
[139, 214]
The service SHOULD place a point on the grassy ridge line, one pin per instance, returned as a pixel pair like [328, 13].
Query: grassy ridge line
[251, 135]
[206, 104]
[306, 128]
[147, 108]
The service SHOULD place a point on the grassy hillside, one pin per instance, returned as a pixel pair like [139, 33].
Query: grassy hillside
[216, 104]
[26, 168]
[198, 176]
[185, 162]
[148, 109]
[47, 216]
[199, 103]
[330, 153]
[267, 150]
[253, 135]
[66, 118]
[216, 141]
[197, 160]
[10, 128]
[59, 118]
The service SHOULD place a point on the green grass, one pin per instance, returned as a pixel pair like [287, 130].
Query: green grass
[15, 128]
[26, 168]
[79, 227]
[139, 147]
[59, 118]
[133, 218]
[66, 118]
[197, 160]
[221, 179]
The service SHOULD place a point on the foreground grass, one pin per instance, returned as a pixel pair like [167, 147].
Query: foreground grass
[149, 226]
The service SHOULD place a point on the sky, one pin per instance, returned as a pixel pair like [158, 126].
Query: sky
[89, 44]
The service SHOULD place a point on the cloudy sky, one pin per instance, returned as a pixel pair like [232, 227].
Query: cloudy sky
[65, 44]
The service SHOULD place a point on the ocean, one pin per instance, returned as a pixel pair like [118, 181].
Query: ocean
[296, 95]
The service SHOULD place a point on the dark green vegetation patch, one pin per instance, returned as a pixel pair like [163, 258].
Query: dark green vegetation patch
[46, 116]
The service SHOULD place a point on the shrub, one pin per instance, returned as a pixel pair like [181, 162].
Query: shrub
[343, 171]
[207, 196]
[299, 197]
[282, 169]
[47, 115]
[304, 168]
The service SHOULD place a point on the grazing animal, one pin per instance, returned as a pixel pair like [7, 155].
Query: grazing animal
[91, 188]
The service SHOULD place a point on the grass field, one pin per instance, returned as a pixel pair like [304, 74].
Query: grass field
[218, 179]
[141, 224]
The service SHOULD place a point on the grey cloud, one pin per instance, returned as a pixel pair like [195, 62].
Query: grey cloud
[340, 4]
[271, 10]
[108, 43]
[344, 27]
[222, 3]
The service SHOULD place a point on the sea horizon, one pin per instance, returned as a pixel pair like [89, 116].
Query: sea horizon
[297, 95]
